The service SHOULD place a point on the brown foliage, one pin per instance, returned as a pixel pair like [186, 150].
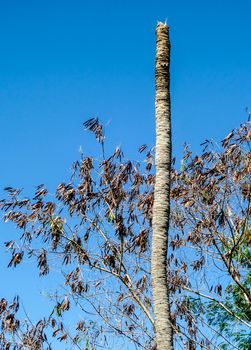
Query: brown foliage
[99, 227]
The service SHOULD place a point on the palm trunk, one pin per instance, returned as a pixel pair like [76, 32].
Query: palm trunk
[161, 207]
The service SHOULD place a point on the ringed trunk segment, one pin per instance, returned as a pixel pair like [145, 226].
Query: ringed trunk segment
[161, 206]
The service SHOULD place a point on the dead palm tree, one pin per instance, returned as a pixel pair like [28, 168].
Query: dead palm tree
[161, 207]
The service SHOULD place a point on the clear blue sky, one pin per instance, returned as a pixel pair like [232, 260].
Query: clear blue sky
[64, 61]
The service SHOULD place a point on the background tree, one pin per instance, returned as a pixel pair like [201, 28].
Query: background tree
[211, 197]
[96, 231]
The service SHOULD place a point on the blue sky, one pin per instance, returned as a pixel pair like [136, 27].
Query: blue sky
[63, 62]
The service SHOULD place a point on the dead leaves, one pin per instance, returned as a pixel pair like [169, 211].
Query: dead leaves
[16, 259]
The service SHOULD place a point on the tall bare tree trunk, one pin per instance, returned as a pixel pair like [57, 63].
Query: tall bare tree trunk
[161, 207]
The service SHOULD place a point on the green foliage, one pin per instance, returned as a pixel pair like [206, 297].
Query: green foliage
[223, 321]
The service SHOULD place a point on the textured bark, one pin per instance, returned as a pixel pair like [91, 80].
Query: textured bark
[161, 207]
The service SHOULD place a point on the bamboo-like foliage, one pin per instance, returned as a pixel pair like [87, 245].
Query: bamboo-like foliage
[98, 227]
[97, 231]
[161, 207]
